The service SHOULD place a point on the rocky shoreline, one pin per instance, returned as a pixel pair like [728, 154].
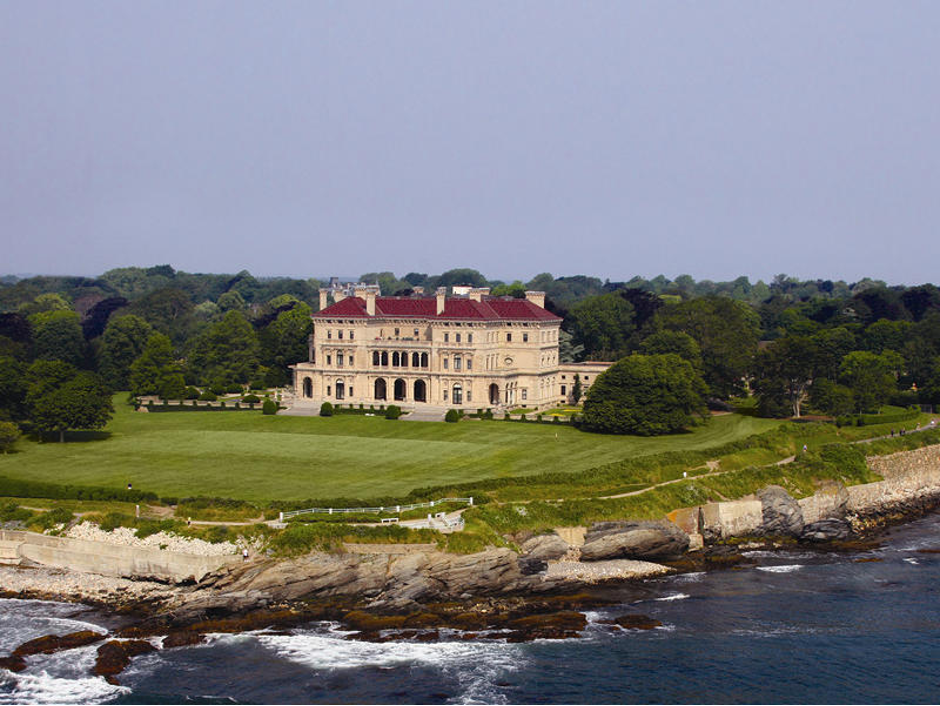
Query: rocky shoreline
[540, 591]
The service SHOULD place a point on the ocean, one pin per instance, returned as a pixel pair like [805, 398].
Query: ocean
[799, 627]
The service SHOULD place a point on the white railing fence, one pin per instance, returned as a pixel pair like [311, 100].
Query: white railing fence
[397, 509]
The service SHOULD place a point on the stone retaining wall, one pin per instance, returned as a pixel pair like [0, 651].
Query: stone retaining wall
[107, 559]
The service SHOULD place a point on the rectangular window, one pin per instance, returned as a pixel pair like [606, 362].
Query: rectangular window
[350, 363]
[416, 333]
[525, 338]
[352, 335]
[350, 391]
[508, 338]
[469, 395]
[445, 395]
[329, 333]
[396, 331]
[563, 389]
[457, 362]
[469, 338]
[446, 337]
[339, 359]
[457, 338]
[525, 394]
[339, 334]
[469, 363]
[329, 360]
[328, 391]
[445, 363]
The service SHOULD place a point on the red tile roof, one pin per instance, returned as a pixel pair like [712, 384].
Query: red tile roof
[460, 308]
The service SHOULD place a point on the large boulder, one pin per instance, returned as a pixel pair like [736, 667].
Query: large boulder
[633, 540]
[781, 514]
[827, 530]
[535, 552]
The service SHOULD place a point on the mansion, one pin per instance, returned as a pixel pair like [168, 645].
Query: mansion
[467, 350]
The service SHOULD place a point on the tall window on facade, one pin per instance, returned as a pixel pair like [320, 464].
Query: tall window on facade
[421, 391]
[328, 391]
[469, 397]
[446, 337]
[329, 360]
[340, 334]
[445, 363]
[404, 360]
[395, 359]
[350, 365]
[508, 338]
[457, 338]
[458, 394]
[340, 391]
[375, 358]
[424, 360]
[380, 389]
[329, 333]
[525, 338]
[416, 333]
[385, 358]
[339, 359]
[564, 389]
[469, 338]
[415, 360]
[469, 367]
[457, 363]
[396, 332]
[445, 394]
[525, 393]
[352, 335]
[308, 387]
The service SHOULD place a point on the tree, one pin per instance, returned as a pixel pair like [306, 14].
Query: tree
[783, 375]
[576, 389]
[83, 402]
[727, 332]
[169, 311]
[13, 388]
[45, 302]
[124, 340]
[57, 335]
[645, 395]
[682, 344]
[231, 301]
[9, 433]
[870, 378]
[832, 398]
[284, 342]
[602, 324]
[227, 352]
[568, 351]
[156, 371]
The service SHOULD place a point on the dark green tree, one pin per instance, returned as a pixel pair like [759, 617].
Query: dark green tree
[228, 351]
[603, 325]
[9, 433]
[831, 398]
[13, 388]
[156, 370]
[870, 377]
[645, 395]
[576, 389]
[783, 375]
[123, 341]
[285, 342]
[682, 344]
[727, 333]
[84, 402]
[57, 335]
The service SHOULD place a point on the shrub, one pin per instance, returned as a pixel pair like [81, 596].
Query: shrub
[222, 404]
[251, 399]
[326, 410]
[217, 388]
[488, 414]
[452, 416]
[58, 516]
[506, 416]
[191, 393]
[269, 407]
[208, 396]
[234, 388]
[538, 418]
[393, 412]
[522, 418]
[193, 403]
[9, 433]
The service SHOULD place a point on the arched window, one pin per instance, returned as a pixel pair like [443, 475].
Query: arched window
[494, 394]
[395, 359]
[404, 359]
[340, 390]
[424, 360]
[385, 358]
[400, 389]
[415, 360]
[458, 394]
[380, 390]
[308, 387]
[421, 391]
[375, 358]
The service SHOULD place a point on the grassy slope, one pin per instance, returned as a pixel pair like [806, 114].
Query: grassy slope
[249, 456]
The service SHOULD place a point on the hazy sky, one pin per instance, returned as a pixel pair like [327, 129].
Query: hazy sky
[612, 139]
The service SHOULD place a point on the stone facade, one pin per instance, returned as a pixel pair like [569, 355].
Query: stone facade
[465, 351]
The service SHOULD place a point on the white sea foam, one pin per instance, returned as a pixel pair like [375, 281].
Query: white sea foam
[690, 577]
[673, 597]
[783, 569]
[61, 678]
[912, 560]
[475, 666]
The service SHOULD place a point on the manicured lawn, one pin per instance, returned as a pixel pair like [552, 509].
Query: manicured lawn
[250, 456]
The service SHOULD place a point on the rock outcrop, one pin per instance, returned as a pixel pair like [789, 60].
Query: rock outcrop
[535, 552]
[827, 530]
[782, 515]
[633, 540]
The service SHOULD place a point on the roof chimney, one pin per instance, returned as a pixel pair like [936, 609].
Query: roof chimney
[323, 301]
[441, 299]
[477, 293]
[371, 293]
[339, 295]
[537, 298]
[360, 291]
[418, 290]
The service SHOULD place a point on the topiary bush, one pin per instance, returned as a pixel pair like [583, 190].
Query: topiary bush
[251, 399]
[393, 411]
[488, 414]
[326, 409]
[191, 393]
[452, 416]
[217, 388]
[208, 396]
[270, 407]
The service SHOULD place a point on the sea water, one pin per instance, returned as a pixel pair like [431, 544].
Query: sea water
[799, 627]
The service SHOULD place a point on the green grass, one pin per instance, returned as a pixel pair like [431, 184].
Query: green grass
[261, 458]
